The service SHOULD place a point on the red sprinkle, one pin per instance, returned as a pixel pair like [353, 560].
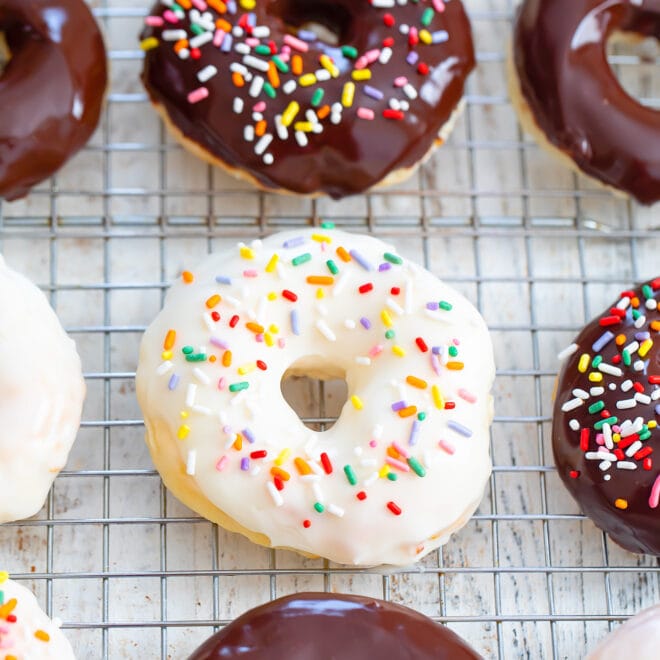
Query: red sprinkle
[234, 321]
[654, 380]
[609, 320]
[11, 618]
[393, 114]
[262, 365]
[326, 463]
[215, 316]
[584, 439]
[619, 454]
[395, 290]
[396, 510]
[643, 453]
[647, 463]
[289, 295]
[388, 42]
[279, 484]
[365, 288]
[574, 474]
[261, 453]
[422, 345]
[307, 524]
[388, 19]
[195, 53]
[450, 405]
[638, 387]
[361, 496]
[423, 69]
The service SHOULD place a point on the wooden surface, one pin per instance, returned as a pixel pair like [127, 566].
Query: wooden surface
[538, 249]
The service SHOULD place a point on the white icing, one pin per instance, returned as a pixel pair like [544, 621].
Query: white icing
[638, 638]
[41, 395]
[18, 638]
[349, 530]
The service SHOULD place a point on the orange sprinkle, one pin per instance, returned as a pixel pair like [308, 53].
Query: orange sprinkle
[621, 504]
[7, 608]
[303, 466]
[218, 5]
[296, 65]
[417, 382]
[408, 412]
[237, 79]
[325, 280]
[223, 25]
[238, 443]
[634, 302]
[323, 112]
[455, 366]
[273, 75]
[279, 472]
[212, 358]
[393, 452]
[213, 301]
[186, 4]
[255, 327]
[655, 325]
[620, 340]
[42, 635]
[11, 657]
[180, 45]
[170, 338]
[226, 359]
[187, 277]
[343, 254]
[260, 128]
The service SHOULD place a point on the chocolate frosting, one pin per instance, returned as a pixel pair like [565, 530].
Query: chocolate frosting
[51, 90]
[348, 157]
[618, 498]
[561, 60]
[320, 626]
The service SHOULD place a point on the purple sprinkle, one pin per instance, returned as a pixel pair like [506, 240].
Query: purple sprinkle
[245, 464]
[231, 6]
[414, 432]
[249, 435]
[383, 267]
[433, 306]
[373, 92]
[459, 428]
[398, 405]
[295, 325]
[366, 323]
[361, 260]
[603, 341]
[642, 336]
[174, 381]
[293, 242]
[227, 43]
[226, 429]
[223, 279]
[657, 409]
[220, 343]
[252, 19]
[435, 363]
[437, 350]
[412, 58]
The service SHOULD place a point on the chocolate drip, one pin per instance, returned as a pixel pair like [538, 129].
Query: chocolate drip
[561, 61]
[51, 91]
[347, 158]
[619, 505]
[317, 626]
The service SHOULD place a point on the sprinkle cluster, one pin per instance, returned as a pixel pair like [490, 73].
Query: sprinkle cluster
[618, 438]
[269, 74]
[8, 619]
[338, 272]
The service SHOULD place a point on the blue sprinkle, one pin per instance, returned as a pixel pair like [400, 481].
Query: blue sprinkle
[603, 341]
[307, 35]
[252, 19]
[414, 432]
[373, 92]
[293, 242]
[223, 279]
[174, 381]
[366, 323]
[361, 260]
[295, 325]
[226, 43]
[249, 435]
[459, 428]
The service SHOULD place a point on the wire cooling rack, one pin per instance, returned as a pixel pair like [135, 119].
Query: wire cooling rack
[132, 573]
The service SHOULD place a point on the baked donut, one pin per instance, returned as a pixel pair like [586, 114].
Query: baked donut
[638, 638]
[26, 631]
[405, 464]
[254, 88]
[605, 425]
[51, 90]
[42, 394]
[324, 626]
[569, 99]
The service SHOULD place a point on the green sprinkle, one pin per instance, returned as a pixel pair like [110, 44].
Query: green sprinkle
[262, 50]
[416, 467]
[596, 361]
[2, 597]
[319, 507]
[301, 259]
[393, 259]
[317, 97]
[647, 291]
[445, 305]
[392, 476]
[427, 16]
[270, 90]
[600, 423]
[282, 67]
[196, 357]
[421, 416]
[596, 407]
[326, 224]
[332, 266]
[349, 51]
[237, 387]
[197, 29]
[187, 350]
[390, 334]
[635, 314]
[645, 435]
[627, 360]
[350, 475]
[453, 351]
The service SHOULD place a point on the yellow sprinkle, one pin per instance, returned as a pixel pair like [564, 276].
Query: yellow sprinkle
[348, 94]
[268, 339]
[184, 414]
[270, 266]
[272, 296]
[307, 80]
[620, 503]
[149, 43]
[42, 635]
[283, 455]
[357, 402]
[425, 37]
[386, 318]
[247, 253]
[321, 238]
[302, 466]
[595, 377]
[437, 397]
[290, 113]
[361, 74]
[384, 471]
[248, 4]
[247, 369]
[616, 437]
[184, 432]
[166, 355]
[329, 65]
[213, 300]
[274, 328]
[320, 293]
[4, 576]
[645, 347]
[583, 364]
[652, 424]
[398, 351]
[304, 126]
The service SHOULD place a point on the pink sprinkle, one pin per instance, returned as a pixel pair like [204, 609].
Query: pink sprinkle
[154, 21]
[200, 4]
[366, 113]
[297, 44]
[456, 342]
[198, 95]
[435, 363]
[373, 443]
[285, 54]
[251, 273]
[404, 452]
[399, 465]
[600, 439]
[376, 351]
[252, 42]
[281, 342]
[401, 81]
[447, 446]
[222, 383]
[654, 500]
[170, 16]
[221, 464]
[439, 6]
[361, 62]
[218, 38]
[259, 107]
[372, 55]
[259, 338]
[467, 396]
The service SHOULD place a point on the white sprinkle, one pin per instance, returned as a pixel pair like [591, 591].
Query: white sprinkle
[191, 462]
[206, 73]
[325, 330]
[580, 394]
[263, 144]
[572, 405]
[248, 133]
[626, 465]
[377, 432]
[201, 39]
[282, 130]
[256, 86]
[318, 493]
[191, 393]
[335, 510]
[350, 324]
[201, 376]
[644, 399]
[625, 404]
[202, 410]
[371, 480]
[274, 493]
[255, 63]
[164, 367]
[597, 391]
[634, 448]
[626, 385]
[567, 352]
[340, 284]
[394, 306]
[610, 369]
[289, 86]
[574, 424]
[301, 138]
[364, 361]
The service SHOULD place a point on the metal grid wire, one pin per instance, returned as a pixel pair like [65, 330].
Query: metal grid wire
[538, 249]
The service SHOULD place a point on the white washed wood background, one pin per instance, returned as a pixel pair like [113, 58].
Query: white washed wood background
[136, 575]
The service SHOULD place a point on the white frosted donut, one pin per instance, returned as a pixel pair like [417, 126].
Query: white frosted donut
[42, 391]
[638, 639]
[26, 631]
[405, 464]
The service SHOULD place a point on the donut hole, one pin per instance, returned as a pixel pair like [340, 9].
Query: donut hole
[634, 60]
[316, 391]
[330, 21]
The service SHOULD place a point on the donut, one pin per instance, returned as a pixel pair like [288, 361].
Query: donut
[325, 626]
[262, 89]
[51, 89]
[26, 631]
[42, 394]
[605, 424]
[638, 638]
[569, 99]
[405, 464]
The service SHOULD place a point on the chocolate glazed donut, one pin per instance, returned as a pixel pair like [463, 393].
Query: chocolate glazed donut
[51, 90]
[318, 626]
[605, 431]
[573, 96]
[220, 77]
